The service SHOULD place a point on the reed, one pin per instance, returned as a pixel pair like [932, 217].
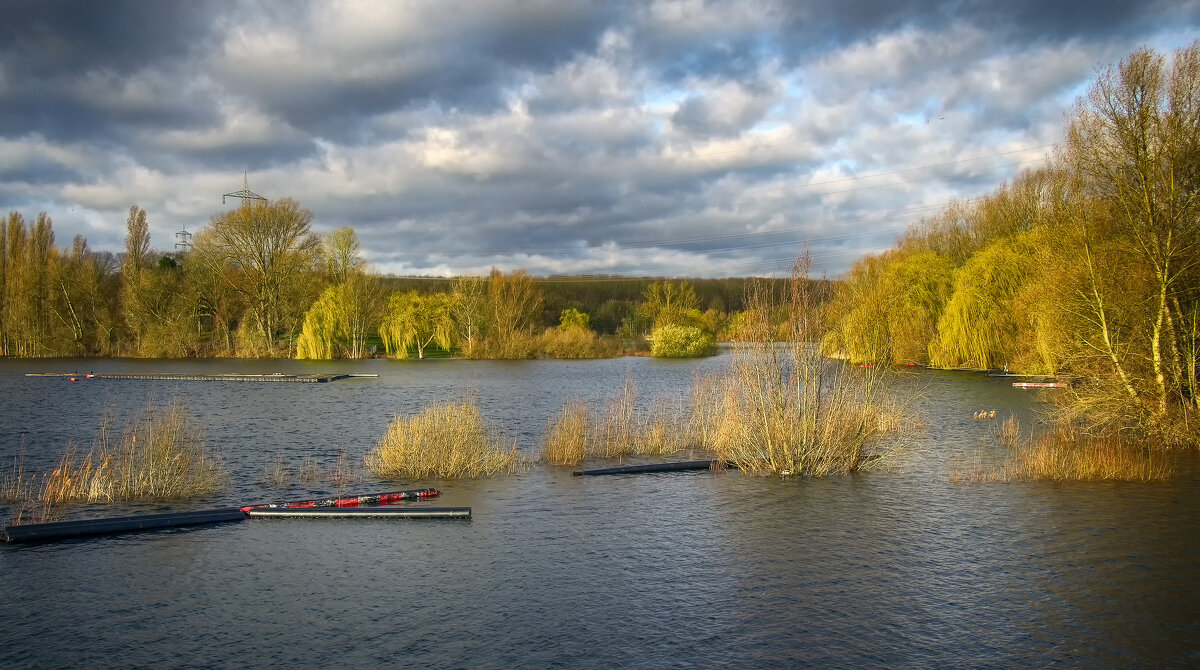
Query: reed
[341, 474]
[567, 435]
[1068, 453]
[160, 455]
[621, 429]
[1065, 455]
[448, 440]
[616, 432]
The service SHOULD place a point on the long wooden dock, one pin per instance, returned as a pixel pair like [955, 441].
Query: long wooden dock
[202, 377]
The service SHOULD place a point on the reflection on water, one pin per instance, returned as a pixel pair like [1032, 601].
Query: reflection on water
[684, 569]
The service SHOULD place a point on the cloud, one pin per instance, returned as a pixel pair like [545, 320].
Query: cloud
[668, 137]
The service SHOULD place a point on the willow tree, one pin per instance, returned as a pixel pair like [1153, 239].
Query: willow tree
[340, 321]
[915, 289]
[1134, 144]
[977, 328]
[858, 315]
[415, 320]
[266, 253]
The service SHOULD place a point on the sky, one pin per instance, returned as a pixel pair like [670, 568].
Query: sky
[659, 138]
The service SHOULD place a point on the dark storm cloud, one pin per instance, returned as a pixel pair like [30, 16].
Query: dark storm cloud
[810, 26]
[67, 64]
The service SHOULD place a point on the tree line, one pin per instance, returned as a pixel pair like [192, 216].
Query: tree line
[1088, 267]
[259, 282]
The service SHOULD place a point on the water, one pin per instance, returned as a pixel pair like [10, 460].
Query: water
[894, 569]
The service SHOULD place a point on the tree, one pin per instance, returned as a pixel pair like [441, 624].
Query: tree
[512, 308]
[571, 318]
[858, 317]
[467, 310]
[412, 319]
[265, 253]
[915, 288]
[1134, 144]
[343, 254]
[668, 303]
[137, 250]
[977, 328]
[339, 321]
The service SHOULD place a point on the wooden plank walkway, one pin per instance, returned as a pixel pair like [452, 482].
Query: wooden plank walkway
[197, 377]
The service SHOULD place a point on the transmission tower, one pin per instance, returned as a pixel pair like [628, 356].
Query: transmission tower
[183, 240]
[245, 194]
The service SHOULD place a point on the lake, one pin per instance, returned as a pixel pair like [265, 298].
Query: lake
[895, 568]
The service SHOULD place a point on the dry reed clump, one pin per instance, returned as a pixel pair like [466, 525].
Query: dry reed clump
[1068, 454]
[443, 441]
[566, 441]
[620, 430]
[160, 455]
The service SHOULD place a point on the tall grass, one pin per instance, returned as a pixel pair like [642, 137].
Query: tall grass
[160, 455]
[343, 472]
[619, 430]
[567, 435]
[448, 440]
[1065, 453]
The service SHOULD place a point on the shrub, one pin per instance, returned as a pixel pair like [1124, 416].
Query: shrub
[682, 342]
[574, 343]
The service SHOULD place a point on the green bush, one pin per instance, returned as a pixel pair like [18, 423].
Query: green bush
[682, 342]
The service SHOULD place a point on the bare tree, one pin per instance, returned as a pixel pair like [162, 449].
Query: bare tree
[263, 252]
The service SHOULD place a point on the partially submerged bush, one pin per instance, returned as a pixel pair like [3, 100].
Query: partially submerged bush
[443, 441]
[575, 343]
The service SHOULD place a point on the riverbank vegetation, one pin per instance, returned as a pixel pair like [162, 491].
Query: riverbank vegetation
[159, 455]
[1088, 269]
[447, 440]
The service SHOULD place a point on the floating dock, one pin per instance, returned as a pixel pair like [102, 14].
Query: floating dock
[1040, 385]
[199, 377]
[382, 512]
[61, 530]
[652, 467]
